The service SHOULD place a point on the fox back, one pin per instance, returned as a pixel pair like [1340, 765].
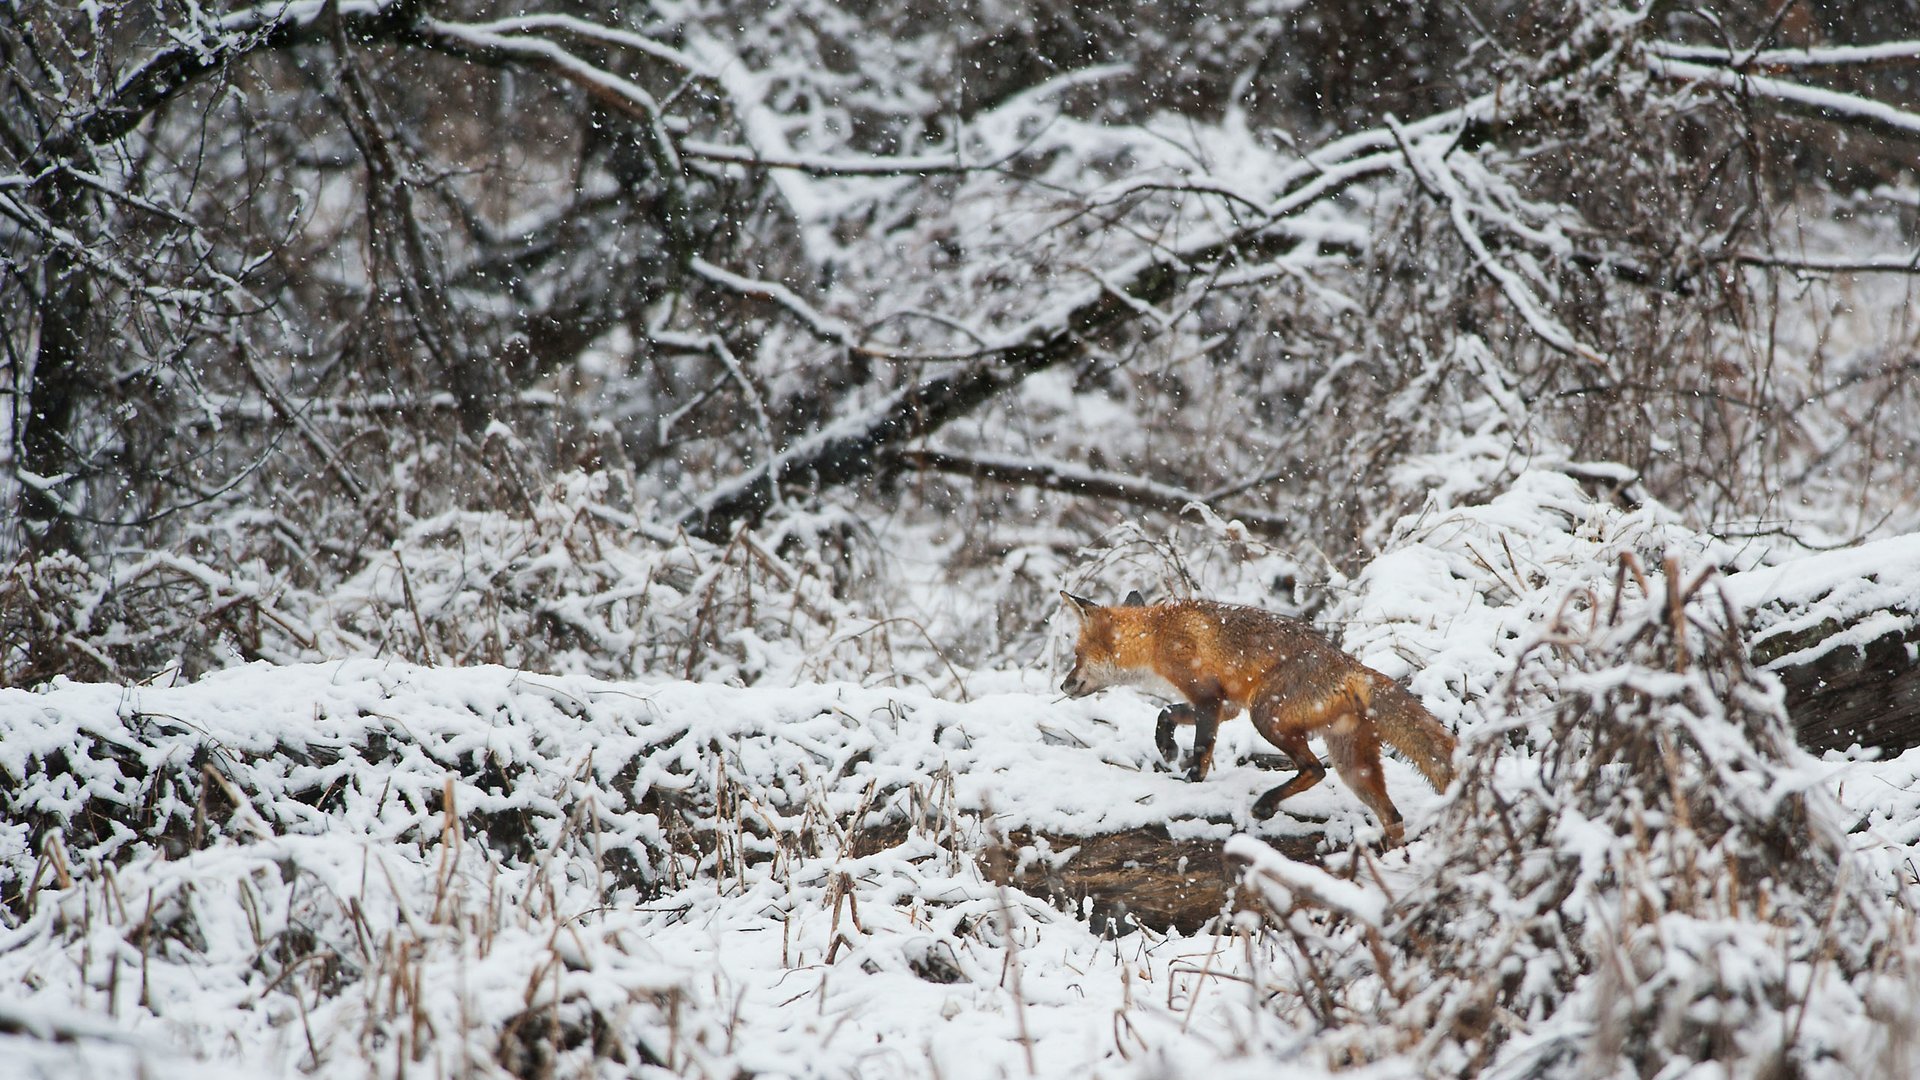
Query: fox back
[1198, 649]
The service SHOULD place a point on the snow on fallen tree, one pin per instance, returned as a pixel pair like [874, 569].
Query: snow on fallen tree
[1842, 631]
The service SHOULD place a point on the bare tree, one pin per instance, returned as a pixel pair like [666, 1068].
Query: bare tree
[283, 281]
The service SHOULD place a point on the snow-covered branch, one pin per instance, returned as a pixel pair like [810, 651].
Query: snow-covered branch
[827, 165]
[1812, 56]
[190, 56]
[587, 30]
[1830, 264]
[1432, 167]
[1079, 480]
[619, 93]
[820, 325]
[1851, 110]
[854, 446]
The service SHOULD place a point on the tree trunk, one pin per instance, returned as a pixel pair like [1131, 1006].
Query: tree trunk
[54, 389]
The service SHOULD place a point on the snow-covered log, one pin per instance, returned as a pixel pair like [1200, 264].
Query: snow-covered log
[1842, 631]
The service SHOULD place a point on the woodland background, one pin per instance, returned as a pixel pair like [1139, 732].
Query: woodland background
[309, 306]
[1560, 358]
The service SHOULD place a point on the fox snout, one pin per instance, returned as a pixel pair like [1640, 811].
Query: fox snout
[1086, 678]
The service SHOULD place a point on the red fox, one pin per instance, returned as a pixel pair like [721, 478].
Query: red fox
[1223, 658]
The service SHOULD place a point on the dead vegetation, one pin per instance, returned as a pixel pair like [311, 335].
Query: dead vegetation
[1661, 877]
[1637, 874]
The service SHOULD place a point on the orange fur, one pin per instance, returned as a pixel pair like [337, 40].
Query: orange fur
[1224, 659]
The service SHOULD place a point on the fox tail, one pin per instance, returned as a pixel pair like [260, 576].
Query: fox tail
[1408, 727]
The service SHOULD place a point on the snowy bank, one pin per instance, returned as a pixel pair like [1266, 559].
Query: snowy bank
[260, 869]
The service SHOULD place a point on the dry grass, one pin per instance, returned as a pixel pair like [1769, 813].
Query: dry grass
[1639, 869]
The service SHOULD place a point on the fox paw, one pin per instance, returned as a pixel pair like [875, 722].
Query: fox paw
[1267, 806]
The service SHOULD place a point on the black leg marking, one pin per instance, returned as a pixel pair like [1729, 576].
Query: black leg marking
[1206, 725]
[1311, 772]
[1170, 717]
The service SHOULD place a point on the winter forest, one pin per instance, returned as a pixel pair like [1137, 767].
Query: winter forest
[533, 533]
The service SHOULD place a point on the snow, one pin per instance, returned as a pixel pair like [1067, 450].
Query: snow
[359, 867]
[1285, 882]
[1807, 56]
[1867, 589]
[1831, 102]
[1077, 767]
[342, 772]
[312, 907]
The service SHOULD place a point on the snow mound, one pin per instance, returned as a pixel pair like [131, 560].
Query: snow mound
[336, 867]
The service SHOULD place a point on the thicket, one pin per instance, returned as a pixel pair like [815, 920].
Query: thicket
[393, 326]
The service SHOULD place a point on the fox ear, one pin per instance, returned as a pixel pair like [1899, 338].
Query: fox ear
[1079, 605]
[1134, 599]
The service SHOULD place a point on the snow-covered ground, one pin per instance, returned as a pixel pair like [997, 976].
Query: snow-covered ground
[257, 876]
[369, 868]
[324, 856]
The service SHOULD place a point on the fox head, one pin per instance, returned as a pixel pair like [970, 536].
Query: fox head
[1096, 656]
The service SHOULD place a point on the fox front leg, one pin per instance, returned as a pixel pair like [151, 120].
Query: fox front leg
[1206, 725]
[1205, 718]
[1170, 717]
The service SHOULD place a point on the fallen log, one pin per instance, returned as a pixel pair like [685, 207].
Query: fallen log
[1861, 689]
[1142, 877]
[1842, 631]
[1117, 881]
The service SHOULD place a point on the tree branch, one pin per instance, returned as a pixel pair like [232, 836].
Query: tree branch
[851, 449]
[1834, 264]
[1833, 106]
[856, 447]
[1824, 56]
[1077, 480]
[170, 70]
[827, 165]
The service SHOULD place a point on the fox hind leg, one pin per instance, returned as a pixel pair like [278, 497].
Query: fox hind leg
[1354, 746]
[1294, 745]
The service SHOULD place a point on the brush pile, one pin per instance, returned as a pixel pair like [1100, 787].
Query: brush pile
[1646, 877]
